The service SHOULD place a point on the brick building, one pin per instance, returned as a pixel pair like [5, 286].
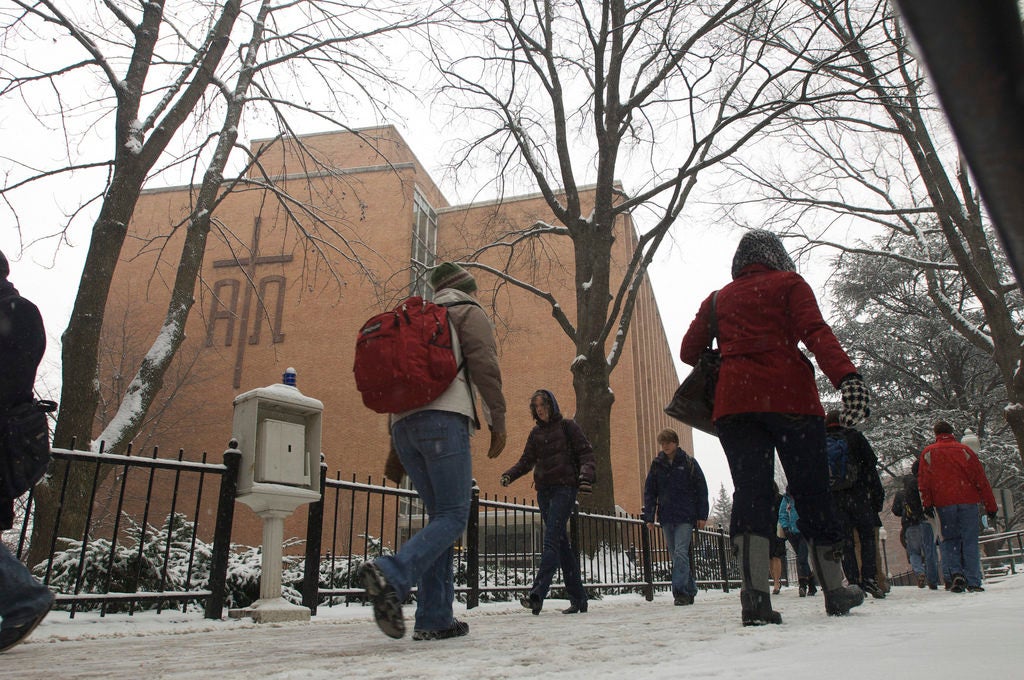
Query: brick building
[270, 299]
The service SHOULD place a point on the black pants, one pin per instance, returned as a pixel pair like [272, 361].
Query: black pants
[750, 441]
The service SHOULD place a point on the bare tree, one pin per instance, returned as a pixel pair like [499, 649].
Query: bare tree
[564, 97]
[921, 368]
[884, 162]
[172, 91]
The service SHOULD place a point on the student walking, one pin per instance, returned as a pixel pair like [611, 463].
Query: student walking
[676, 494]
[563, 465]
[432, 444]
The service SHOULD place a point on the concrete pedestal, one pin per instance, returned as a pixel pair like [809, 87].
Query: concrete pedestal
[273, 503]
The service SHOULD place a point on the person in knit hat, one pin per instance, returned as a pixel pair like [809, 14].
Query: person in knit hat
[24, 602]
[766, 401]
[431, 444]
[451, 275]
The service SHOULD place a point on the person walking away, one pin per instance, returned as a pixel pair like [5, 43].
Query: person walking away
[676, 494]
[777, 551]
[788, 520]
[563, 465]
[952, 482]
[24, 602]
[858, 493]
[918, 537]
[766, 400]
[432, 444]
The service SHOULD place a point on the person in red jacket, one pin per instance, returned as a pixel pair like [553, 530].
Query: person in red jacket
[953, 482]
[766, 400]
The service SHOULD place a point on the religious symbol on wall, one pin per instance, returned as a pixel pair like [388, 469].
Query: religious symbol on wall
[266, 291]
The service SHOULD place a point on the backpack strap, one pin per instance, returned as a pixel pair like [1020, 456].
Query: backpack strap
[463, 364]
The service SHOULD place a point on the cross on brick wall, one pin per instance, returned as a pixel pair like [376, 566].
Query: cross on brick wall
[224, 306]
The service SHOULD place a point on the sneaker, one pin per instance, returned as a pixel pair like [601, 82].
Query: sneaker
[975, 589]
[387, 610]
[10, 636]
[682, 600]
[871, 587]
[576, 609]
[533, 603]
[959, 584]
[921, 581]
[457, 629]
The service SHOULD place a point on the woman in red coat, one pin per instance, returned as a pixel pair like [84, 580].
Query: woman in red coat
[767, 401]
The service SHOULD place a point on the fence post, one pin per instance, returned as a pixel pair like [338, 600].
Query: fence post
[473, 549]
[646, 561]
[222, 532]
[314, 544]
[723, 558]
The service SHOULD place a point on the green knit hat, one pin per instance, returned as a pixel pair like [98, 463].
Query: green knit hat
[451, 275]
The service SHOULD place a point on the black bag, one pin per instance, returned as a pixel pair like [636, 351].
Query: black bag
[694, 399]
[26, 447]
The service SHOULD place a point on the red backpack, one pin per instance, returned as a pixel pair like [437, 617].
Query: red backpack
[404, 358]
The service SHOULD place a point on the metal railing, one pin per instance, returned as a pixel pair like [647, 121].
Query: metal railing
[116, 535]
[500, 551]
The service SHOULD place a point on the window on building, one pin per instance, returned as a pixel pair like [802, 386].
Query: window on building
[424, 244]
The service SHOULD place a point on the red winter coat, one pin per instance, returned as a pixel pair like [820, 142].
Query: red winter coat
[762, 315]
[951, 474]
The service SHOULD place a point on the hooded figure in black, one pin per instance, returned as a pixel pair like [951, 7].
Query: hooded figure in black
[24, 601]
[563, 465]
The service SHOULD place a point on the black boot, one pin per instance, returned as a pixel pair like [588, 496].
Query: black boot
[755, 600]
[812, 585]
[827, 562]
[533, 603]
[803, 586]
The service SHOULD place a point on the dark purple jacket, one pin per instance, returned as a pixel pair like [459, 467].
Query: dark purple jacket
[557, 451]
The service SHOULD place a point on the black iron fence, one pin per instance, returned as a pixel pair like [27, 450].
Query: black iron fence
[141, 543]
[118, 560]
[500, 551]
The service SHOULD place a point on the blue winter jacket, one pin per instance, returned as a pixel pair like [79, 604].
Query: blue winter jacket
[787, 515]
[677, 492]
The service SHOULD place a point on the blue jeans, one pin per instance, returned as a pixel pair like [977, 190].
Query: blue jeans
[800, 547]
[960, 553]
[921, 551]
[556, 505]
[750, 441]
[677, 538]
[434, 449]
[21, 596]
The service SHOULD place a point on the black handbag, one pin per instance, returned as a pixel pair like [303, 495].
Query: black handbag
[694, 400]
[25, 445]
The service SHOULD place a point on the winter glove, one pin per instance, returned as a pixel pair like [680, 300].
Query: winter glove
[929, 511]
[991, 519]
[393, 469]
[505, 480]
[586, 487]
[855, 400]
[497, 444]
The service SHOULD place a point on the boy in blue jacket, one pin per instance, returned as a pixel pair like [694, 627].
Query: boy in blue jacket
[677, 494]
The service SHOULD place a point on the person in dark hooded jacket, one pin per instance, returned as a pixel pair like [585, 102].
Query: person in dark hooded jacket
[676, 493]
[24, 601]
[563, 465]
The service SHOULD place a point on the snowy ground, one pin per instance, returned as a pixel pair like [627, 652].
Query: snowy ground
[911, 634]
